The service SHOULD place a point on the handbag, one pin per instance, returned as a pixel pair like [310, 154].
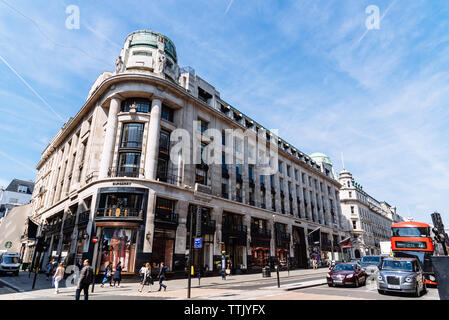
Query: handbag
[228, 271]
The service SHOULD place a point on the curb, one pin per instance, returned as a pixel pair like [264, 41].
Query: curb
[11, 286]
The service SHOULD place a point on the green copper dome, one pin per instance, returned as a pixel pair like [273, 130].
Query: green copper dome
[150, 38]
[320, 158]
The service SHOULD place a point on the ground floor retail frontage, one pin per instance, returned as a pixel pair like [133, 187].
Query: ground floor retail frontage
[134, 224]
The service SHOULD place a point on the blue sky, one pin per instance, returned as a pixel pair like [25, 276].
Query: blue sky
[310, 68]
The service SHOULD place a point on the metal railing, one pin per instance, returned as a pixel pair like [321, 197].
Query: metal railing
[168, 178]
[123, 212]
[235, 229]
[84, 217]
[258, 233]
[118, 172]
[166, 217]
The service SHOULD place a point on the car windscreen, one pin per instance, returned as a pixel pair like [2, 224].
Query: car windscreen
[370, 260]
[10, 260]
[344, 267]
[397, 265]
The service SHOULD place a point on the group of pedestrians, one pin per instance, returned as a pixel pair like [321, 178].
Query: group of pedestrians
[110, 276]
[86, 276]
[147, 273]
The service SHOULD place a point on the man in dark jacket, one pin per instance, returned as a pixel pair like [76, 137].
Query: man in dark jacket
[86, 277]
[162, 275]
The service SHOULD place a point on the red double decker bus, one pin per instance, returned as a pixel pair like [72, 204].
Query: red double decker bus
[413, 240]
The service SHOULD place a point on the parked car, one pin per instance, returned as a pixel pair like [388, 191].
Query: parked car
[10, 263]
[346, 274]
[401, 275]
[371, 264]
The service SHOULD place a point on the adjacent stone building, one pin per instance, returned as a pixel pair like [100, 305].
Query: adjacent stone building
[370, 220]
[114, 171]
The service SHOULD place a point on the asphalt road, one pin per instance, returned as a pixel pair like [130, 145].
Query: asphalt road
[365, 292]
[5, 290]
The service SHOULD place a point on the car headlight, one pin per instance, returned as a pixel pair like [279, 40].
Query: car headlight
[349, 276]
[432, 278]
[379, 278]
[409, 279]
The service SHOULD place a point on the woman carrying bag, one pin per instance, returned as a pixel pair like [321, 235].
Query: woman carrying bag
[147, 279]
[107, 275]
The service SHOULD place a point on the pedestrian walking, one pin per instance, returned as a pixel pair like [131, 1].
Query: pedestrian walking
[48, 270]
[162, 276]
[86, 278]
[107, 276]
[147, 279]
[58, 276]
[118, 274]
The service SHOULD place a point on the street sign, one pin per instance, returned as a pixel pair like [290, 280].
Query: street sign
[198, 243]
[8, 244]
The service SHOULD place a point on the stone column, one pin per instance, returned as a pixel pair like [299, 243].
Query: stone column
[149, 224]
[153, 139]
[247, 250]
[109, 139]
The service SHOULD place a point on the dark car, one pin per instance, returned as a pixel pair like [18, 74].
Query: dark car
[346, 274]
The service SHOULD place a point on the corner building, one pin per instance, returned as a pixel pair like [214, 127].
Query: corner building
[109, 173]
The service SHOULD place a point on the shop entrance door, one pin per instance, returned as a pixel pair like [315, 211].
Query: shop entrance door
[163, 247]
[300, 247]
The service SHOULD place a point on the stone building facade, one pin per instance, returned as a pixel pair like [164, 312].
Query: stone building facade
[114, 172]
[370, 220]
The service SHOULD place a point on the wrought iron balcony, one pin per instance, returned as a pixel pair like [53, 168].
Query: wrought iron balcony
[118, 213]
[84, 217]
[120, 172]
[168, 178]
[167, 220]
[260, 233]
[69, 222]
[235, 229]
[208, 226]
[282, 236]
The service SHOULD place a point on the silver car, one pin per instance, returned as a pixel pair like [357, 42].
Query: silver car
[401, 275]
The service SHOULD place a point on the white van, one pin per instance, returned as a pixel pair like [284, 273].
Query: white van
[9, 263]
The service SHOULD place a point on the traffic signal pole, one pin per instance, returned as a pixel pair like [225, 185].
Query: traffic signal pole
[190, 254]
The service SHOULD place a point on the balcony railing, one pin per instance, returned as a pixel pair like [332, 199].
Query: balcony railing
[260, 233]
[235, 229]
[84, 217]
[69, 222]
[120, 213]
[166, 218]
[119, 172]
[208, 226]
[283, 236]
[168, 178]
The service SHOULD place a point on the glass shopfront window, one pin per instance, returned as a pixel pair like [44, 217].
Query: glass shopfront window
[119, 244]
[164, 247]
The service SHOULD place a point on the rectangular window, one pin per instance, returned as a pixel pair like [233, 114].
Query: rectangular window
[167, 113]
[132, 135]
